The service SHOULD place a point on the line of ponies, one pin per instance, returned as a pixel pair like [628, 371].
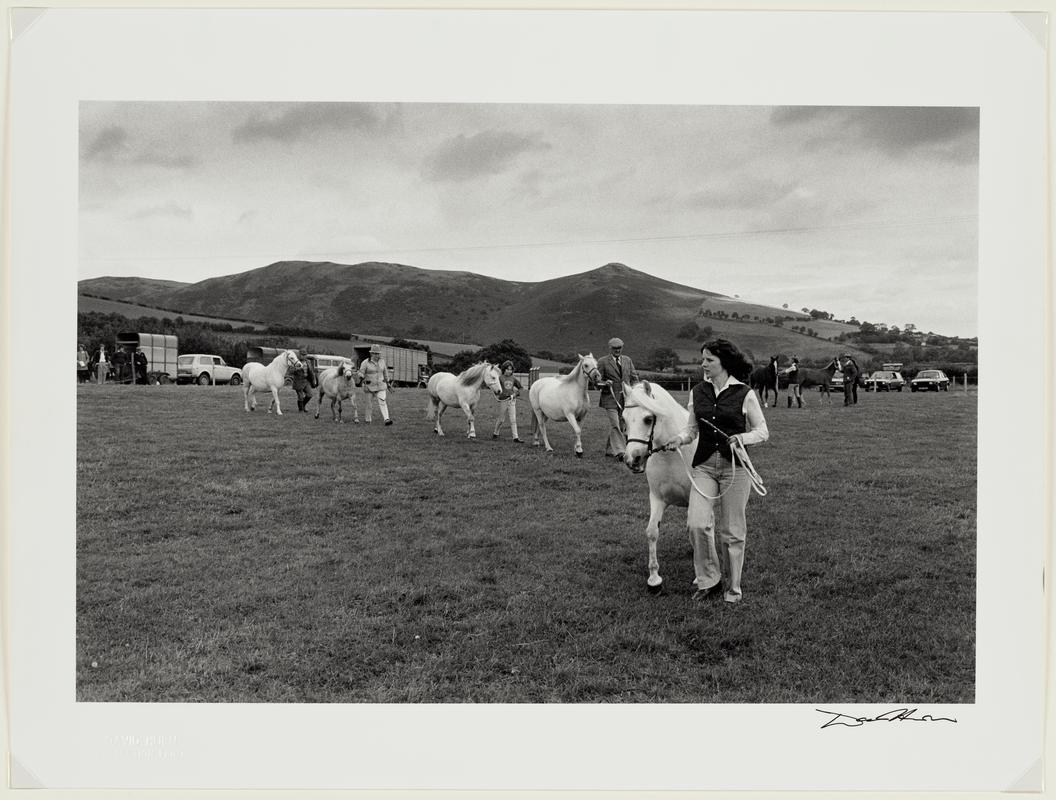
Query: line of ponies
[650, 413]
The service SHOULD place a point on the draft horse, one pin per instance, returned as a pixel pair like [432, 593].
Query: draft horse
[563, 397]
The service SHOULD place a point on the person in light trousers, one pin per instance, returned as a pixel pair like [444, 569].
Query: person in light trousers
[511, 388]
[374, 373]
[722, 409]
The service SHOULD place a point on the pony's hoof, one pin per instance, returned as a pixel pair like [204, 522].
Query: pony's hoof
[655, 590]
[579, 454]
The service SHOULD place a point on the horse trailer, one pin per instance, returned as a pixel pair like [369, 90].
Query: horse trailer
[160, 350]
[405, 363]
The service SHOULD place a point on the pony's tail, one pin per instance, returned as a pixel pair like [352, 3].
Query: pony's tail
[430, 410]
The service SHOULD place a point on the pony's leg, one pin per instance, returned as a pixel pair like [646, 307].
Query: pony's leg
[319, 403]
[542, 430]
[468, 410]
[355, 408]
[575, 427]
[245, 395]
[440, 409]
[275, 402]
[535, 426]
[652, 535]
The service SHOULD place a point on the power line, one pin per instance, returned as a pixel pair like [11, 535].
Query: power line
[883, 225]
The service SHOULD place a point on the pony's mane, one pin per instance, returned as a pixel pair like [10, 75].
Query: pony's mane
[659, 401]
[471, 375]
[578, 368]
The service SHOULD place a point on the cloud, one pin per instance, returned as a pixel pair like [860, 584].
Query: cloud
[285, 122]
[106, 145]
[170, 160]
[112, 146]
[746, 193]
[951, 133]
[487, 153]
[169, 209]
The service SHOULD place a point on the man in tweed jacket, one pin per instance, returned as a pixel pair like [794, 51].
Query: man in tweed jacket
[617, 369]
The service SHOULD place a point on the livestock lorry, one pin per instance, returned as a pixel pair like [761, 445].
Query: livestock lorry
[406, 365]
[160, 350]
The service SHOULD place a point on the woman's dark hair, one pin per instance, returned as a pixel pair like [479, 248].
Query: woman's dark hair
[733, 360]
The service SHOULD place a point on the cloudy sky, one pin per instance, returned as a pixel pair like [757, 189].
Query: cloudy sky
[865, 212]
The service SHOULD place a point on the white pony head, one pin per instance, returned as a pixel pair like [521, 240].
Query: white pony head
[492, 376]
[292, 361]
[652, 417]
[589, 365]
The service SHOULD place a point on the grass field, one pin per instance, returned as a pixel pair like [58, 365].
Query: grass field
[225, 556]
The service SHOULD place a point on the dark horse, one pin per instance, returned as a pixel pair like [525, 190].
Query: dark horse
[819, 377]
[765, 380]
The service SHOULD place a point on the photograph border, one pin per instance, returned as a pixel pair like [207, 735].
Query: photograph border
[34, 569]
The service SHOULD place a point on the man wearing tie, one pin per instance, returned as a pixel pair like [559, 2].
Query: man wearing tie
[616, 369]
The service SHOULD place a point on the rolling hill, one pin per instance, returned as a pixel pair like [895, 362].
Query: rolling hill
[573, 313]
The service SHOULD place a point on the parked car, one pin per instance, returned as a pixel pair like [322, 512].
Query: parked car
[206, 370]
[931, 380]
[885, 380]
[836, 382]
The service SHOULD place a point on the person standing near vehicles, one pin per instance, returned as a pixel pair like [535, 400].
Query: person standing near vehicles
[304, 380]
[374, 373]
[511, 388]
[101, 365]
[615, 369]
[723, 414]
[850, 380]
[139, 366]
[83, 375]
[793, 383]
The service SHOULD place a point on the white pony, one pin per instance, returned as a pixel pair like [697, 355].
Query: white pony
[462, 390]
[654, 417]
[563, 397]
[258, 378]
[338, 383]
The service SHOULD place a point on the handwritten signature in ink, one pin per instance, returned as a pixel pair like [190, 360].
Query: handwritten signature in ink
[895, 715]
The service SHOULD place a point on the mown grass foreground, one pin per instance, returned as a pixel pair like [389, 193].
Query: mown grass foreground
[233, 557]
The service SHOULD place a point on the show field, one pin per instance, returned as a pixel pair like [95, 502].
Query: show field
[224, 556]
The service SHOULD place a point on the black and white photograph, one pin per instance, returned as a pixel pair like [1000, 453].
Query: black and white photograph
[570, 404]
[603, 253]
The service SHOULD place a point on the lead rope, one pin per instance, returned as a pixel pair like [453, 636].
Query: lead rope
[738, 453]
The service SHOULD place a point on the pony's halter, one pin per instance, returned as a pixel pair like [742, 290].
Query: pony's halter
[647, 442]
[737, 450]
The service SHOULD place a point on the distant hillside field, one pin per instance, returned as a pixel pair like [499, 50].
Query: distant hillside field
[571, 314]
[133, 310]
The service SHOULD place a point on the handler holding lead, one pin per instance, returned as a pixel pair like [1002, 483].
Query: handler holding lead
[616, 369]
[374, 373]
[725, 414]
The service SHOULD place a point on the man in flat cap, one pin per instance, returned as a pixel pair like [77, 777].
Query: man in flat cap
[616, 369]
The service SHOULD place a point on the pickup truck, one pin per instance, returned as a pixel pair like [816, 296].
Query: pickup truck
[206, 370]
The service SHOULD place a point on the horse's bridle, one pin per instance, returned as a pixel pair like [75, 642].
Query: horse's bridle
[647, 442]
